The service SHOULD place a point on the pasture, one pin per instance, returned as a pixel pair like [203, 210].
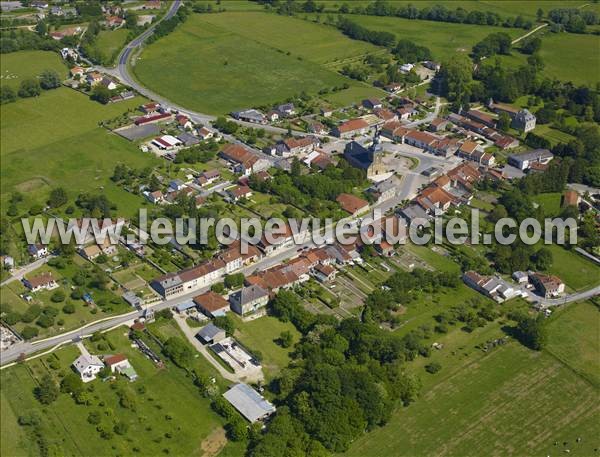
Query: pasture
[18, 66]
[510, 401]
[169, 414]
[576, 271]
[215, 67]
[550, 203]
[574, 338]
[261, 335]
[443, 39]
[68, 148]
[566, 57]
[505, 8]
[110, 42]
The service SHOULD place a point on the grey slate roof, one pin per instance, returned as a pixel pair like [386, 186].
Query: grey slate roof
[249, 294]
[208, 332]
[248, 402]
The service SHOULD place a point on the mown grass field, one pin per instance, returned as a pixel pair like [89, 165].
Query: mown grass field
[110, 42]
[170, 415]
[511, 401]
[17, 66]
[550, 203]
[577, 272]
[574, 338]
[54, 140]
[443, 39]
[220, 63]
[505, 8]
[261, 335]
[566, 57]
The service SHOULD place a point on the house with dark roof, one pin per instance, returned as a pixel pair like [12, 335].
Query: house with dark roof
[210, 334]
[249, 299]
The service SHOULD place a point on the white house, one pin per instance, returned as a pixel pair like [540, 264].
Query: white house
[88, 366]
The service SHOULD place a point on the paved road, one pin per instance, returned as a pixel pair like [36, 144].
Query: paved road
[20, 272]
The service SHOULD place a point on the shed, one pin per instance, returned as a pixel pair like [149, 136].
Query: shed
[211, 334]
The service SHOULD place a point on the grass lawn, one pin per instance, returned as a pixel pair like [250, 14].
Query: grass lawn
[110, 42]
[550, 203]
[17, 66]
[565, 57]
[68, 150]
[511, 401]
[231, 71]
[574, 338]
[577, 272]
[261, 334]
[443, 39]
[170, 414]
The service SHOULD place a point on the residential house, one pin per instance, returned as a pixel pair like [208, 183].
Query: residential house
[351, 128]
[77, 72]
[249, 299]
[406, 112]
[184, 122]
[114, 21]
[524, 121]
[88, 366]
[108, 83]
[324, 273]
[394, 131]
[431, 65]
[118, 363]
[371, 103]
[90, 252]
[286, 110]
[384, 190]
[547, 285]
[393, 87]
[239, 192]
[38, 250]
[93, 78]
[406, 67]
[385, 249]
[150, 108]
[210, 176]
[385, 115]
[422, 140]
[43, 281]
[243, 160]
[251, 115]
[352, 204]
[212, 304]
[204, 133]
[438, 124]
[317, 127]
[190, 279]
[467, 149]
[156, 197]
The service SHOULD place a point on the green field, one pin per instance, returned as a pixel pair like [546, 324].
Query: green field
[17, 66]
[211, 63]
[170, 415]
[550, 203]
[110, 42]
[552, 135]
[504, 8]
[442, 38]
[260, 335]
[68, 148]
[574, 338]
[566, 57]
[577, 272]
[511, 401]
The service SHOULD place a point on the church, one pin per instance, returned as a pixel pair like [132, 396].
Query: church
[369, 159]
